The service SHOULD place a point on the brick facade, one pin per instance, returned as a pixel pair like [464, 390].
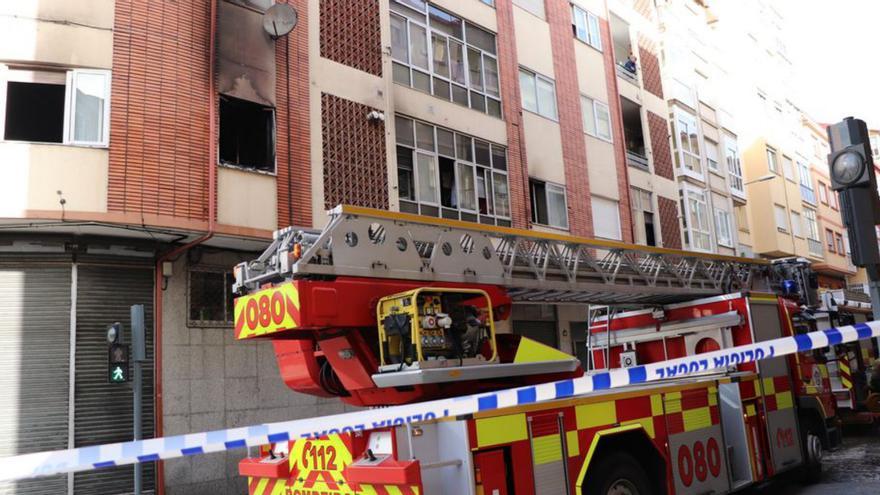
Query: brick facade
[511, 107]
[670, 230]
[650, 68]
[626, 226]
[355, 170]
[351, 34]
[658, 129]
[294, 184]
[574, 152]
[158, 119]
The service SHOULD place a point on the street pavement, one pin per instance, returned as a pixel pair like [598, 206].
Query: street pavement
[853, 469]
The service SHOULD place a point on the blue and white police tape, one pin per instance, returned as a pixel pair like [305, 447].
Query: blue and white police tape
[99, 456]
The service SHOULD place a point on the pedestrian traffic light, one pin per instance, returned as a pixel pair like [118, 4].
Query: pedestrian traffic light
[852, 176]
[117, 362]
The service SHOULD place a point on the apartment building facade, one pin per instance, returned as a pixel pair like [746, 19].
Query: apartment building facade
[149, 146]
[708, 165]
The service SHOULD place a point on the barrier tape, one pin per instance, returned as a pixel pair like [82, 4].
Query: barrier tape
[100, 456]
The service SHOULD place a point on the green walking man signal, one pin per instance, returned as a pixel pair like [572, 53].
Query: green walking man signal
[117, 369]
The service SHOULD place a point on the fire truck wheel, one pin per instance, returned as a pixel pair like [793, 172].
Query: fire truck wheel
[617, 474]
[812, 469]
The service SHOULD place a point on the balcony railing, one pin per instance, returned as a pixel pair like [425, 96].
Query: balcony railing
[815, 247]
[636, 160]
[627, 74]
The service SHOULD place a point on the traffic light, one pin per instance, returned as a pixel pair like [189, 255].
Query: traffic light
[117, 362]
[852, 176]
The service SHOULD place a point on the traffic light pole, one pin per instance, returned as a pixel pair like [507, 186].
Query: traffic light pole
[852, 176]
[138, 340]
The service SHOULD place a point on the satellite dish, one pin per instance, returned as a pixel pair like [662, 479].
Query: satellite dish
[279, 20]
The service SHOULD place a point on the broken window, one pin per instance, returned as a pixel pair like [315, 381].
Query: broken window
[247, 134]
[57, 107]
[34, 112]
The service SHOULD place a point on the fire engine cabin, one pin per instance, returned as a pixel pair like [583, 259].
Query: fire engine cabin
[850, 366]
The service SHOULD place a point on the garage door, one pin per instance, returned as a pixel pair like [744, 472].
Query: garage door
[34, 366]
[103, 411]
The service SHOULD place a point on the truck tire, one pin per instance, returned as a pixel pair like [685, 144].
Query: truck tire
[811, 471]
[617, 474]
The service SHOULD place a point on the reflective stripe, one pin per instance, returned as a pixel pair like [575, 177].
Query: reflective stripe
[501, 430]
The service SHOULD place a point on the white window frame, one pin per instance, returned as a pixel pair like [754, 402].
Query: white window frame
[70, 77]
[710, 144]
[557, 189]
[788, 170]
[699, 197]
[684, 118]
[595, 107]
[619, 235]
[772, 160]
[458, 162]
[542, 14]
[588, 23]
[786, 219]
[723, 228]
[734, 167]
[797, 224]
[538, 110]
[466, 48]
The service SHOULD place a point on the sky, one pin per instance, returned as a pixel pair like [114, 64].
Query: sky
[834, 47]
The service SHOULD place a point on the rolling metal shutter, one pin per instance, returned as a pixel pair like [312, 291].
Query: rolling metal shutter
[103, 411]
[34, 366]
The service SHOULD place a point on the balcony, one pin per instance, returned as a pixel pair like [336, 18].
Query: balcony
[633, 134]
[815, 247]
[636, 160]
[627, 74]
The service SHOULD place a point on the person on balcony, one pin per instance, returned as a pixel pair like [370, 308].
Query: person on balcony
[630, 64]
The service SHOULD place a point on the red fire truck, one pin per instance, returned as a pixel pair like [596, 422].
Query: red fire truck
[385, 308]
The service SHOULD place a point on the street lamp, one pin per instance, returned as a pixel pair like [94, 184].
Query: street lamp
[761, 179]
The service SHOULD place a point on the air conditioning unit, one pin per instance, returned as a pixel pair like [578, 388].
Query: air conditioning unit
[628, 359]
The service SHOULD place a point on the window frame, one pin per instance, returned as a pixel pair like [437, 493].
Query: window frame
[466, 48]
[69, 116]
[838, 242]
[595, 106]
[823, 193]
[682, 155]
[734, 167]
[829, 240]
[772, 160]
[536, 77]
[273, 170]
[616, 204]
[688, 194]
[809, 217]
[557, 189]
[788, 169]
[785, 216]
[710, 144]
[489, 172]
[796, 225]
[227, 274]
[722, 217]
[590, 21]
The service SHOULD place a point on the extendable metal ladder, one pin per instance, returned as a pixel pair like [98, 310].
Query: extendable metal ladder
[533, 266]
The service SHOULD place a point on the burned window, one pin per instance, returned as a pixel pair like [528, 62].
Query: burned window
[210, 297]
[34, 112]
[247, 134]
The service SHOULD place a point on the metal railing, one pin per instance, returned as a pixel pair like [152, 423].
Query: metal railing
[636, 160]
